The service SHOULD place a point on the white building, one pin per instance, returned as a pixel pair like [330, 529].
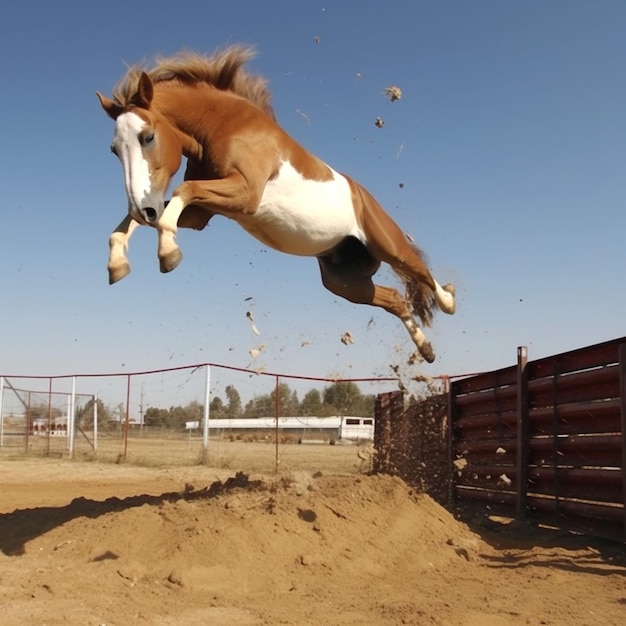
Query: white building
[348, 427]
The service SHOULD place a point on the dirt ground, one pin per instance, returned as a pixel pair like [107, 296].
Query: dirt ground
[95, 544]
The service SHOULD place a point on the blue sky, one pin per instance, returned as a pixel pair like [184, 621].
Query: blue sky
[504, 159]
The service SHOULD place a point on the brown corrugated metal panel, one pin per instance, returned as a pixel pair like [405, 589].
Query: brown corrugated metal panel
[595, 384]
[488, 381]
[557, 425]
[486, 497]
[602, 485]
[584, 358]
[580, 418]
[544, 438]
[595, 520]
[485, 428]
[485, 447]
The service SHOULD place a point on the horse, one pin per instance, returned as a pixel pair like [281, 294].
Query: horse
[242, 165]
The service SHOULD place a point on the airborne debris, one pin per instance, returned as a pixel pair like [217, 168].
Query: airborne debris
[379, 123]
[504, 480]
[255, 330]
[393, 93]
[306, 118]
[317, 39]
[254, 352]
[357, 75]
[305, 342]
[500, 451]
[422, 378]
[409, 237]
[347, 338]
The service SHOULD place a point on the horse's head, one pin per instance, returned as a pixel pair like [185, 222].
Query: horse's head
[149, 148]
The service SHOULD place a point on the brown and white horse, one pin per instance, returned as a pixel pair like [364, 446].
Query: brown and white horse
[242, 165]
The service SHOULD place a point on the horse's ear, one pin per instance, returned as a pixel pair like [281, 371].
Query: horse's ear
[145, 92]
[112, 109]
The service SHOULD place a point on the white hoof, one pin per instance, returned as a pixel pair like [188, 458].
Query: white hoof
[170, 261]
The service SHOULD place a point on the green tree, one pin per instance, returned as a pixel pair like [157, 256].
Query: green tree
[85, 414]
[260, 406]
[311, 403]
[233, 407]
[288, 404]
[156, 417]
[40, 411]
[217, 410]
[345, 398]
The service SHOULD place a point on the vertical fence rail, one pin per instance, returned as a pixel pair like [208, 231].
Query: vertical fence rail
[622, 408]
[521, 461]
[206, 414]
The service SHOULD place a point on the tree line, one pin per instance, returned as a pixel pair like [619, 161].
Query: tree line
[341, 398]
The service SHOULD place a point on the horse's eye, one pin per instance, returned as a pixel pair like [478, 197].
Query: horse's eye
[146, 140]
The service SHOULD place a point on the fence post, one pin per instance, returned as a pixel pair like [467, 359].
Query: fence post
[95, 423]
[205, 420]
[622, 403]
[49, 416]
[522, 433]
[450, 441]
[71, 418]
[276, 414]
[127, 417]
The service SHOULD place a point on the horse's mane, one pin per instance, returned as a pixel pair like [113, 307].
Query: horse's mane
[222, 69]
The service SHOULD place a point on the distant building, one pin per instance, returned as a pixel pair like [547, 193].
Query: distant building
[334, 427]
[57, 426]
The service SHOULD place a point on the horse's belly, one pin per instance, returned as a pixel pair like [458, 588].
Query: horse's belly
[304, 217]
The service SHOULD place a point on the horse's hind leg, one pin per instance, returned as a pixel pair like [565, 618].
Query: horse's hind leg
[349, 280]
[387, 242]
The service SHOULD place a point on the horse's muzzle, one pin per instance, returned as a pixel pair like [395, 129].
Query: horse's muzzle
[149, 214]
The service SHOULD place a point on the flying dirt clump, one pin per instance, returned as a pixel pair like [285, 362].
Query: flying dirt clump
[393, 93]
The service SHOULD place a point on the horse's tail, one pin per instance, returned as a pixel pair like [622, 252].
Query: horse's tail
[420, 293]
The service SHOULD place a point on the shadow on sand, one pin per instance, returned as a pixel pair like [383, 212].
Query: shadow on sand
[23, 525]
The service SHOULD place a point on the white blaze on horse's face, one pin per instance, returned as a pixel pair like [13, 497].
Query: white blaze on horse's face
[135, 143]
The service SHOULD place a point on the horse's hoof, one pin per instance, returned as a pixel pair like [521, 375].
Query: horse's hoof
[171, 261]
[426, 350]
[450, 288]
[117, 273]
[451, 310]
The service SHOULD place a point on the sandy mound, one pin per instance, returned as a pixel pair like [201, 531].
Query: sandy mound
[302, 550]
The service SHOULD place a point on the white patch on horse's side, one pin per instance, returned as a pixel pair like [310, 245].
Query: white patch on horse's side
[136, 168]
[301, 216]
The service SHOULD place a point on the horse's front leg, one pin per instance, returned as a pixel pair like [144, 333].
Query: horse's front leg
[227, 196]
[118, 265]
[167, 226]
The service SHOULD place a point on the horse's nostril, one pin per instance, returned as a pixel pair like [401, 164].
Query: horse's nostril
[149, 213]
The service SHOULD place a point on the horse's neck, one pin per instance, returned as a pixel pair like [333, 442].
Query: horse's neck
[185, 106]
